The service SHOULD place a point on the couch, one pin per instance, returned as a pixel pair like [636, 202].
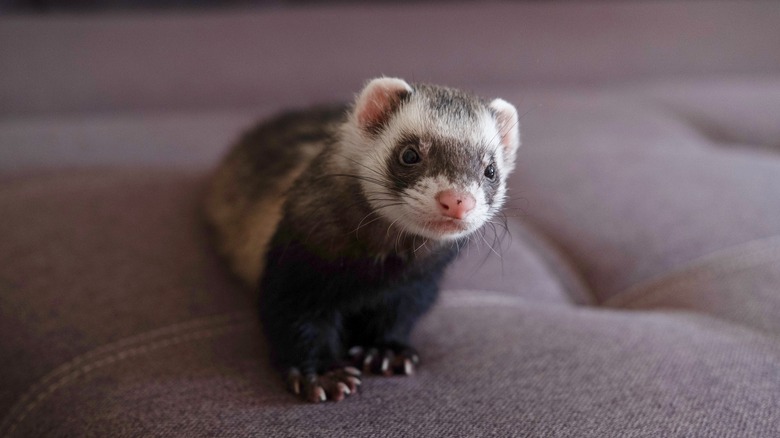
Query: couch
[635, 294]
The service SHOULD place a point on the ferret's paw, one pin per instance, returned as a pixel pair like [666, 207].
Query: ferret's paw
[385, 360]
[334, 385]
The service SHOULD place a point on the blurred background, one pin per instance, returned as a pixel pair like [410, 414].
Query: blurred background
[38, 6]
[106, 5]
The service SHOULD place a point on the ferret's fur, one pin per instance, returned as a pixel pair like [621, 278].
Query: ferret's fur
[347, 232]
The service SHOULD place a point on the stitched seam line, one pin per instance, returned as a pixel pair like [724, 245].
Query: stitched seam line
[719, 263]
[111, 353]
[117, 345]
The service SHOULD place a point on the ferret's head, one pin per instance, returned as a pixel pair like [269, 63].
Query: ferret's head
[432, 161]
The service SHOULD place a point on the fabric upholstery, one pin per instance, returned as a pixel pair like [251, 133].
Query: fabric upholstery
[634, 292]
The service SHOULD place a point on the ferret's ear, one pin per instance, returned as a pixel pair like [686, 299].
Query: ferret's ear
[377, 102]
[508, 129]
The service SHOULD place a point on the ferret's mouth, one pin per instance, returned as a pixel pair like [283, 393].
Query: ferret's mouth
[447, 226]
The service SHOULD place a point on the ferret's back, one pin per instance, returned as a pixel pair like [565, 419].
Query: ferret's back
[245, 198]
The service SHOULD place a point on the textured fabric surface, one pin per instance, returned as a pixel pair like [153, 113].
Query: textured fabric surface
[635, 292]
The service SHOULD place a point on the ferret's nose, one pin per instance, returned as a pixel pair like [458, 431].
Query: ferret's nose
[455, 204]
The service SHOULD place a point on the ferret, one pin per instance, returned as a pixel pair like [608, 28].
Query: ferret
[345, 217]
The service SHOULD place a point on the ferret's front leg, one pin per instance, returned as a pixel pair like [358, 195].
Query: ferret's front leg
[304, 332]
[307, 349]
[379, 336]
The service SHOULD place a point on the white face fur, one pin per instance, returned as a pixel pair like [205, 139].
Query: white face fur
[433, 161]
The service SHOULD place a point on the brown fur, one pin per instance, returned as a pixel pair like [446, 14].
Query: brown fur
[245, 199]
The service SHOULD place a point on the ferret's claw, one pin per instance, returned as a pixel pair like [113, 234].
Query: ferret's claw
[386, 360]
[294, 381]
[334, 385]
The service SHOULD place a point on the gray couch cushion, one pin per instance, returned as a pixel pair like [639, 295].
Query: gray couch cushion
[635, 295]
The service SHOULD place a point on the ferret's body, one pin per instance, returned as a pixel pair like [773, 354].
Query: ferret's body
[346, 218]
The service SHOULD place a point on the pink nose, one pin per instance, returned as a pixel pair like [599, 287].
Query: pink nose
[455, 204]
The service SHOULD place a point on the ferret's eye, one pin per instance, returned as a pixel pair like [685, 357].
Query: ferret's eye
[409, 156]
[490, 171]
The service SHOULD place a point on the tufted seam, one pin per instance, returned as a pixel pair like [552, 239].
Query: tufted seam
[718, 263]
[122, 349]
[713, 129]
[559, 264]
